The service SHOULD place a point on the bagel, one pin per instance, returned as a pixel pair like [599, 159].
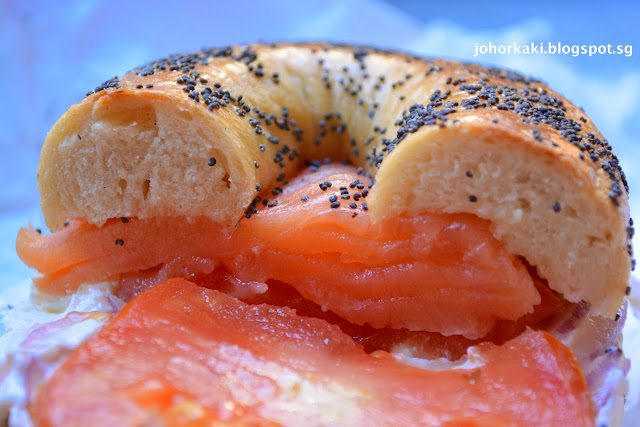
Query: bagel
[204, 133]
[336, 211]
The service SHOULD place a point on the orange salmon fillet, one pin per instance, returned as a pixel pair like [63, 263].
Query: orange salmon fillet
[436, 272]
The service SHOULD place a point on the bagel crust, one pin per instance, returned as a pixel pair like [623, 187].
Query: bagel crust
[205, 133]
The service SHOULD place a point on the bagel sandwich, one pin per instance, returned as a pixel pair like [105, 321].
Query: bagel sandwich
[427, 208]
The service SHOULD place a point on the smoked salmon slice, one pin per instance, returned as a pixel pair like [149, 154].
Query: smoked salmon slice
[444, 273]
[438, 272]
[180, 354]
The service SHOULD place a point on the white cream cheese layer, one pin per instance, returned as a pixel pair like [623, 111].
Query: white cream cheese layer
[39, 334]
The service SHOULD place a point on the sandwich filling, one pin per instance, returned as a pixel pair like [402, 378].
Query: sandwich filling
[442, 273]
[433, 296]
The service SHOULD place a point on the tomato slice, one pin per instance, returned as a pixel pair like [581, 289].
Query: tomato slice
[185, 355]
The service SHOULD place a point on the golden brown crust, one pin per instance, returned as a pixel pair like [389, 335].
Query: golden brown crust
[437, 135]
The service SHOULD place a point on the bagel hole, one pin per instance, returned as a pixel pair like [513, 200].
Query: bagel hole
[123, 186]
[145, 188]
[135, 113]
[594, 240]
[523, 178]
[525, 205]
[226, 179]
[570, 211]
